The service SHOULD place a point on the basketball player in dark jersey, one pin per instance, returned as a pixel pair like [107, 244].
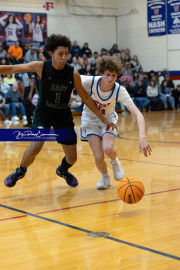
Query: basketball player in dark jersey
[58, 79]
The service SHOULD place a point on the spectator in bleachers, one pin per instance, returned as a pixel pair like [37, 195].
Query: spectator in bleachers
[4, 86]
[132, 68]
[126, 58]
[31, 55]
[160, 78]
[76, 49]
[140, 70]
[83, 71]
[14, 99]
[41, 57]
[86, 50]
[170, 84]
[166, 95]
[126, 78]
[26, 48]
[145, 79]
[135, 61]
[141, 77]
[10, 60]
[114, 49]
[88, 65]
[84, 57]
[79, 59]
[135, 78]
[75, 64]
[9, 79]
[3, 106]
[96, 55]
[3, 61]
[118, 55]
[153, 95]
[151, 74]
[177, 97]
[123, 55]
[2, 52]
[92, 70]
[91, 59]
[16, 52]
[139, 94]
[69, 61]
[127, 67]
[127, 52]
[155, 79]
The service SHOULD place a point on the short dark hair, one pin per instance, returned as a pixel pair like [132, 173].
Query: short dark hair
[54, 41]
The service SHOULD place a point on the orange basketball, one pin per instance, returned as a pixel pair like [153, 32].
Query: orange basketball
[27, 17]
[130, 190]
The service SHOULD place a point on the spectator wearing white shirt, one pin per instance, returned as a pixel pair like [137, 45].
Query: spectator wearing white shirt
[153, 95]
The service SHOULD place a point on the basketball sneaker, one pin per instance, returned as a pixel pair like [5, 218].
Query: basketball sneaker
[11, 180]
[118, 171]
[104, 182]
[69, 177]
[7, 123]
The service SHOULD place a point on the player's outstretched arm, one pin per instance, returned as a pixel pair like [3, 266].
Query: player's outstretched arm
[89, 102]
[143, 144]
[34, 66]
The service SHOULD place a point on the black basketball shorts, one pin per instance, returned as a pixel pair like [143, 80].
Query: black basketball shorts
[62, 120]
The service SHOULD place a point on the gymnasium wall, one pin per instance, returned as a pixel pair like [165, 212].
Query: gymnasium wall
[102, 23]
[98, 31]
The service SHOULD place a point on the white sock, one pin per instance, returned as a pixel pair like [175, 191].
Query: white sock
[105, 175]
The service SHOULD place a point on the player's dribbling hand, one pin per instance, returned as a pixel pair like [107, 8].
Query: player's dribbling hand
[109, 125]
[144, 147]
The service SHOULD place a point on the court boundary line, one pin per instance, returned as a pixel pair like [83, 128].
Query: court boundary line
[54, 150]
[84, 205]
[87, 231]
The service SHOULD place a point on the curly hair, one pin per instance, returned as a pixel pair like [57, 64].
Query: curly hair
[111, 63]
[54, 41]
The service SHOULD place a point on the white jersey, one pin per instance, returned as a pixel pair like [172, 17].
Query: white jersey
[105, 101]
[11, 29]
[37, 32]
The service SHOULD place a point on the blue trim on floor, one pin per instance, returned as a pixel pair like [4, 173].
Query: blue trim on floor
[87, 231]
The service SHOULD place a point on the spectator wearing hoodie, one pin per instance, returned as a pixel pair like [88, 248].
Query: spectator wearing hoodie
[76, 49]
[114, 49]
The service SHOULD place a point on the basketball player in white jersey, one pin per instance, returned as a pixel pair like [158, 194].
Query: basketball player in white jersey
[11, 25]
[36, 27]
[105, 92]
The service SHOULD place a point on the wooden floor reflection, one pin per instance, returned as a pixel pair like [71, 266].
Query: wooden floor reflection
[44, 223]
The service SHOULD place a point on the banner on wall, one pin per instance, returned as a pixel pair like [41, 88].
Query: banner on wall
[23, 27]
[156, 17]
[173, 16]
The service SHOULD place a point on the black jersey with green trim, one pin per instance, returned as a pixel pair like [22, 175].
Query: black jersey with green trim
[55, 87]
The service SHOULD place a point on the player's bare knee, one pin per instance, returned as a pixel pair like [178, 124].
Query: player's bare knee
[108, 151]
